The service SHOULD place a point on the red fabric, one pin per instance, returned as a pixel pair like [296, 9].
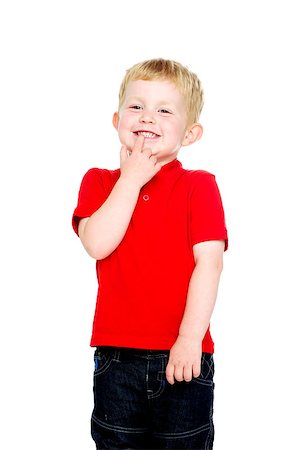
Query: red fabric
[143, 283]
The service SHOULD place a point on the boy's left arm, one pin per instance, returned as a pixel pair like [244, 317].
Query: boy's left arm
[185, 355]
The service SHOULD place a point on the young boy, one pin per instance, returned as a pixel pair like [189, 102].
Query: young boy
[158, 234]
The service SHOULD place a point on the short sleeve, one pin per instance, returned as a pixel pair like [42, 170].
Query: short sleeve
[206, 210]
[92, 195]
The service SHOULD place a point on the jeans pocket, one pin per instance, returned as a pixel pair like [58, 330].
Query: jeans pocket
[102, 362]
[207, 370]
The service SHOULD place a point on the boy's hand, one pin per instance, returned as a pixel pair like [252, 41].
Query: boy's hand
[184, 360]
[140, 166]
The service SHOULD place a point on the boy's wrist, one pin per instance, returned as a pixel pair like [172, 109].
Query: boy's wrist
[128, 182]
[191, 335]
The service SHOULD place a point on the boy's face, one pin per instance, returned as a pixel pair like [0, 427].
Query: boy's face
[155, 109]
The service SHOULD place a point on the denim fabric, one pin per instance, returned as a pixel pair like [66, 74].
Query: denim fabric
[136, 408]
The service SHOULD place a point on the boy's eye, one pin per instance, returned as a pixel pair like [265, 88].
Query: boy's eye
[165, 111]
[135, 107]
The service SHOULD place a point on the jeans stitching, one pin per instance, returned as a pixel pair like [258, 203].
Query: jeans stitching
[210, 366]
[184, 434]
[210, 437]
[162, 383]
[202, 379]
[102, 369]
[116, 356]
[117, 427]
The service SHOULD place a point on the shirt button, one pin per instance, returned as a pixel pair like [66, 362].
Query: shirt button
[145, 198]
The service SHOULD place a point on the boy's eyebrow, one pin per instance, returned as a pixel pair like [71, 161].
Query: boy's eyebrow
[138, 99]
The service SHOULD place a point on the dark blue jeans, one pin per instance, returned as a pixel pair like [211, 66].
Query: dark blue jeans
[136, 408]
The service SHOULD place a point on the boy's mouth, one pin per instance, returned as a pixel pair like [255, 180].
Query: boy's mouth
[147, 134]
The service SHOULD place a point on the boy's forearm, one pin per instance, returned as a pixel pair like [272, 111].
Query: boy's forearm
[185, 354]
[201, 298]
[106, 228]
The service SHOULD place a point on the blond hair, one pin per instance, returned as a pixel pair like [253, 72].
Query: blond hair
[186, 82]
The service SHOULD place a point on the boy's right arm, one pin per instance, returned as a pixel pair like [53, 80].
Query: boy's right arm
[103, 231]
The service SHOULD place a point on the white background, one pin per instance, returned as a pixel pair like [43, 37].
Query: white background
[61, 66]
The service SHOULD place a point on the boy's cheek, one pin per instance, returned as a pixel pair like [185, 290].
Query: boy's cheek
[123, 135]
[127, 139]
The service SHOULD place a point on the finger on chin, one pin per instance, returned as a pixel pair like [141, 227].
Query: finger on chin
[138, 146]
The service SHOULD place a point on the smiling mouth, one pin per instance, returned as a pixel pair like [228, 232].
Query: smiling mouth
[147, 134]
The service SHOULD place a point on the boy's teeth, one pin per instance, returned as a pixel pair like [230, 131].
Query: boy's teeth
[146, 134]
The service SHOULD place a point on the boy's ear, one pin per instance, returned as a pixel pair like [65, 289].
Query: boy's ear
[192, 134]
[115, 120]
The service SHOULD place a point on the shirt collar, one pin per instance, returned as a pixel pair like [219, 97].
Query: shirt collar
[172, 165]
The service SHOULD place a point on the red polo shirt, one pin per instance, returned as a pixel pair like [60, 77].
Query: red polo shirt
[143, 283]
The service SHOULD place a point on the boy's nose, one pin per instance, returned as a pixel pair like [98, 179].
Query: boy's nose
[146, 117]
